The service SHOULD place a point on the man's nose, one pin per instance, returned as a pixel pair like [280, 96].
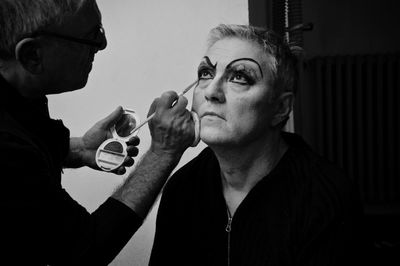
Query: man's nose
[103, 42]
[101, 39]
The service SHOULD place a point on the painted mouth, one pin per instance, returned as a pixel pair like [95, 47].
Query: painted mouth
[211, 114]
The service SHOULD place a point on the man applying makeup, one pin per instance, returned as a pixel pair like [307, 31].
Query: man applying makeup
[48, 47]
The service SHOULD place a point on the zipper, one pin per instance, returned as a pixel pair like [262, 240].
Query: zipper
[228, 229]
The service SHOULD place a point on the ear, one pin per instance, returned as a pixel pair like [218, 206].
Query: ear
[283, 108]
[29, 53]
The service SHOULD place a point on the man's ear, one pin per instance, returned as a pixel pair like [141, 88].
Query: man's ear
[29, 53]
[283, 108]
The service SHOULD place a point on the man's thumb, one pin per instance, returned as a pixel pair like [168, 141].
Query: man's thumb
[111, 119]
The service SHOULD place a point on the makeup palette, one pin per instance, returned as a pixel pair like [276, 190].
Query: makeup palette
[112, 153]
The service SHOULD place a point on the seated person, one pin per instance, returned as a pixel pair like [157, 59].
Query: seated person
[256, 195]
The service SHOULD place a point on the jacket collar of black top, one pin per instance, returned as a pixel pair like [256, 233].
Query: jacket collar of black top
[33, 116]
[20, 107]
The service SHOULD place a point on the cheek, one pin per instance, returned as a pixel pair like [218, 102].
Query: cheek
[248, 115]
[85, 57]
[80, 55]
[241, 108]
[198, 99]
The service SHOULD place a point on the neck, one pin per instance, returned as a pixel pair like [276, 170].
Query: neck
[19, 79]
[242, 167]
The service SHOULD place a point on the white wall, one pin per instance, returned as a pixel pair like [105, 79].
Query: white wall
[153, 46]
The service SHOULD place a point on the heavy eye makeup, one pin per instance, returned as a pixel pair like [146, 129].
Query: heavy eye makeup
[241, 74]
[205, 72]
[240, 71]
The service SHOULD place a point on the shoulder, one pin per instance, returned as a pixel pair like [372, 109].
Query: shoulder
[13, 135]
[18, 147]
[198, 165]
[319, 182]
[306, 164]
[192, 173]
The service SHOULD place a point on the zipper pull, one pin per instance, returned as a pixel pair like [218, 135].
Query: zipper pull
[228, 226]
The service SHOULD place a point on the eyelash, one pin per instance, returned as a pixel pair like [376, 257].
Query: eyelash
[206, 71]
[243, 77]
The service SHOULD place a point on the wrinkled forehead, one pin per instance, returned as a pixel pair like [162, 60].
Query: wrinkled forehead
[82, 22]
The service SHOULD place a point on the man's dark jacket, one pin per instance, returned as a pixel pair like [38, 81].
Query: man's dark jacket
[40, 223]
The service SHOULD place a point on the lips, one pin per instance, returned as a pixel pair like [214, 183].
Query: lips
[211, 114]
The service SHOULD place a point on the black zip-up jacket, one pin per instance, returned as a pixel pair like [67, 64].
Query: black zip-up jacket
[303, 213]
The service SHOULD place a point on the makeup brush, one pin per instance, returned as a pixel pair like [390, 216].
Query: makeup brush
[151, 116]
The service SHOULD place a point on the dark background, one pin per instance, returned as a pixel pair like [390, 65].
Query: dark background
[347, 105]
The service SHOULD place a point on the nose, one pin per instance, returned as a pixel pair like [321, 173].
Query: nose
[214, 92]
[103, 41]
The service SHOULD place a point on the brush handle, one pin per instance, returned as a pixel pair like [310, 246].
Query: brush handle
[151, 116]
[143, 123]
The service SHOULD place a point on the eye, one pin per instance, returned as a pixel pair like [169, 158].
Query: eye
[240, 78]
[205, 74]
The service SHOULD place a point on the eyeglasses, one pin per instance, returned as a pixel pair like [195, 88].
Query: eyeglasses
[98, 41]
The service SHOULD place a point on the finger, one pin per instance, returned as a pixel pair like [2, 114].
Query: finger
[111, 119]
[120, 171]
[128, 162]
[153, 106]
[180, 105]
[132, 151]
[134, 141]
[196, 121]
[166, 100]
[191, 124]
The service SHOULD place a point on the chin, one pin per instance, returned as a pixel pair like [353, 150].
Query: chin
[65, 86]
[213, 137]
[68, 89]
[77, 86]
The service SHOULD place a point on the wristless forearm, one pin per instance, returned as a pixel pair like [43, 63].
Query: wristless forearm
[145, 182]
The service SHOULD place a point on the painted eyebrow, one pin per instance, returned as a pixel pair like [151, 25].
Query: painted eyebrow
[208, 61]
[246, 59]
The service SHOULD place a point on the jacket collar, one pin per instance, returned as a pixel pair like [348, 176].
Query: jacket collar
[23, 109]
[33, 116]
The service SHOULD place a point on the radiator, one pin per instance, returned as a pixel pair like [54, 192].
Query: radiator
[350, 113]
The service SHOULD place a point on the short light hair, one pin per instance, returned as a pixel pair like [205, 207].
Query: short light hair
[20, 18]
[282, 63]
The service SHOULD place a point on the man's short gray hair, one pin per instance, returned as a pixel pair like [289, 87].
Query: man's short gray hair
[19, 18]
[282, 63]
